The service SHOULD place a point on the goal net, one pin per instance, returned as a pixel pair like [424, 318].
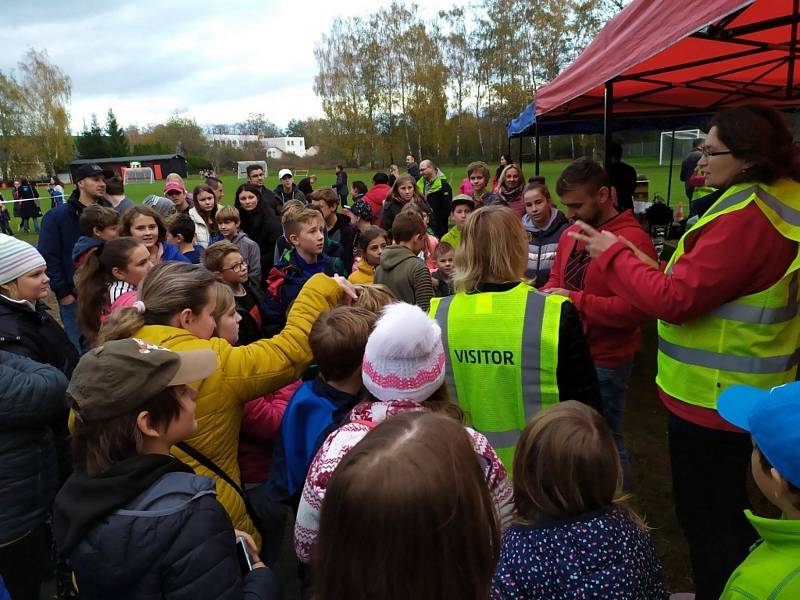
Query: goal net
[137, 175]
[683, 141]
[242, 165]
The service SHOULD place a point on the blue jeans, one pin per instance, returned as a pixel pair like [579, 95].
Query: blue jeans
[69, 320]
[613, 384]
[25, 227]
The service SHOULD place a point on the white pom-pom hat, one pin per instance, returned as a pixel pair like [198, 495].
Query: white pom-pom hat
[404, 357]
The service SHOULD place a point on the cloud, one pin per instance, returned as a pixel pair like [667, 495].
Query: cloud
[219, 61]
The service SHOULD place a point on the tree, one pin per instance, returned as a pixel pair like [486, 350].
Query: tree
[181, 135]
[458, 59]
[48, 91]
[257, 124]
[15, 147]
[91, 143]
[117, 143]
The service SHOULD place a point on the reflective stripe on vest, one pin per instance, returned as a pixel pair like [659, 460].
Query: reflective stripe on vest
[752, 340]
[502, 350]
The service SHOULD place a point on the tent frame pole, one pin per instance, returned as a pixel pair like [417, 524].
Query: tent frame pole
[519, 163]
[671, 161]
[608, 112]
[790, 77]
[537, 156]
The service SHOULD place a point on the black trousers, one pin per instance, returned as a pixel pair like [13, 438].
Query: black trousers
[23, 564]
[709, 474]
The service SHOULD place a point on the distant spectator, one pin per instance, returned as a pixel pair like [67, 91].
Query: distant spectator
[378, 193]
[437, 191]
[56, 191]
[394, 173]
[689, 165]
[622, 176]
[412, 167]
[116, 197]
[287, 190]
[358, 190]
[306, 185]
[29, 209]
[341, 184]
[216, 184]
[504, 162]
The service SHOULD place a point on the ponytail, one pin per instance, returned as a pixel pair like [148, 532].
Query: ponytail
[94, 276]
[166, 290]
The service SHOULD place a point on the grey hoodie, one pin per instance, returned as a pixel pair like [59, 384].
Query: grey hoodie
[406, 275]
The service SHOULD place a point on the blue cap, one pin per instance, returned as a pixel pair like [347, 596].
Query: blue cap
[773, 419]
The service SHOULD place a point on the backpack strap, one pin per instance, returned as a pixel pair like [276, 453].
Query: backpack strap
[211, 466]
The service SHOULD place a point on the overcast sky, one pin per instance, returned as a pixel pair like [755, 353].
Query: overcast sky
[214, 60]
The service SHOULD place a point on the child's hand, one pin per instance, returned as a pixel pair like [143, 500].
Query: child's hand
[349, 292]
[252, 551]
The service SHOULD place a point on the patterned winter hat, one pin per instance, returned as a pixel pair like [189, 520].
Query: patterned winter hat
[404, 357]
[17, 257]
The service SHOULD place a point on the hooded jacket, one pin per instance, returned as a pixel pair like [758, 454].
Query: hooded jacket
[406, 275]
[611, 323]
[150, 528]
[364, 273]
[344, 234]
[375, 197]
[542, 245]
[439, 195]
[201, 232]
[282, 197]
[250, 253]
[31, 400]
[81, 247]
[244, 373]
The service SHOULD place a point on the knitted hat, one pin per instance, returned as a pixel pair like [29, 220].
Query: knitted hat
[17, 258]
[404, 357]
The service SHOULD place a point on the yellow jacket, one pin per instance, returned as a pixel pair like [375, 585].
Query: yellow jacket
[364, 274]
[244, 373]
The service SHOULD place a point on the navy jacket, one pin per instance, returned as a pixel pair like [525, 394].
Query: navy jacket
[171, 541]
[31, 400]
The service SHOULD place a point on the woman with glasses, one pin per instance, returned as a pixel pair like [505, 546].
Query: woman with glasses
[727, 304]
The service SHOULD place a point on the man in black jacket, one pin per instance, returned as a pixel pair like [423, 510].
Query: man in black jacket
[341, 184]
[255, 175]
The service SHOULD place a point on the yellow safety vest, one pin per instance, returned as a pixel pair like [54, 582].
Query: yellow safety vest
[502, 350]
[752, 340]
[701, 190]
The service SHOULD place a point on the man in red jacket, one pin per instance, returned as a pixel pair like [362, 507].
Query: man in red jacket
[610, 323]
[377, 194]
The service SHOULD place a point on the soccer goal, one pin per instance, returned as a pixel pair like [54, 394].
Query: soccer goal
[137, 175]
[684, 140]
[241, 172]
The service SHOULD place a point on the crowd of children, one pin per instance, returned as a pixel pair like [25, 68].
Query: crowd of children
[276, 367]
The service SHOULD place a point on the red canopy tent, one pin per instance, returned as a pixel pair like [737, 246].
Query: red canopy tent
[658, 59]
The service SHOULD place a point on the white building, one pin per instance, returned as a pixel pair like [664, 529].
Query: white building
[287, 145]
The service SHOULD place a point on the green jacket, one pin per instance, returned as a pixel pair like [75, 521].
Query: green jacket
[772, 570]
[452, 237]
[406, 275]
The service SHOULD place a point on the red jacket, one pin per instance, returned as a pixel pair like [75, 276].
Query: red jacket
[261, 423]
[375, 197]
[610, 322]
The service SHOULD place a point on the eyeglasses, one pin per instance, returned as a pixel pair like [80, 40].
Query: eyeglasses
[237, 268]
[706, 153]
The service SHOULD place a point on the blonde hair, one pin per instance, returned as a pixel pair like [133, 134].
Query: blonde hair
[502, 179]
[494, 247]
[224, 299]
[566, 465]
[373, 297]
[226, 214]
[293, 219]
[166, 290]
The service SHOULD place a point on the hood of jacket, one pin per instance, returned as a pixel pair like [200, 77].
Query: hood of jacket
[85, 501]
[395, 255]
[557, 219]
[83, 245]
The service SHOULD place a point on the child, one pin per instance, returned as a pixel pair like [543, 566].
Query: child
[442, 276]
[424, 210]
[371, 244]
[338, 227]
[773, 421]
[203, 214]
[224, 260]
[108, 279]
[544, 224]
[460, 208]
[5, 218]
[358, 189]
[147, 226]
[304, 229]
[319, 406]
[228, 224]
[413, 480]
[373, 297]
[574, 535]
[97, 225]
[403, 370]
[404, 190]
[181, 233]
[400, 269]
[134, 520]
[360, 215]
[261, 425]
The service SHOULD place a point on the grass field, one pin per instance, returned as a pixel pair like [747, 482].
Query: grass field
[645, 425]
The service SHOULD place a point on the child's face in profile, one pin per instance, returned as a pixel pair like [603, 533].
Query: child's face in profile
[311, 239]
[445, 263]
[228, 325]
[228, 228]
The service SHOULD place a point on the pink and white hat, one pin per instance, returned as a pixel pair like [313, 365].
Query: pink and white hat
[404, 357]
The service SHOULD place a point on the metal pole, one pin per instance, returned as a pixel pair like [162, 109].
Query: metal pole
[608, 111]
[671, 160]
[509, 147]
[520, 155]
[792, 51]
[536, 150]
